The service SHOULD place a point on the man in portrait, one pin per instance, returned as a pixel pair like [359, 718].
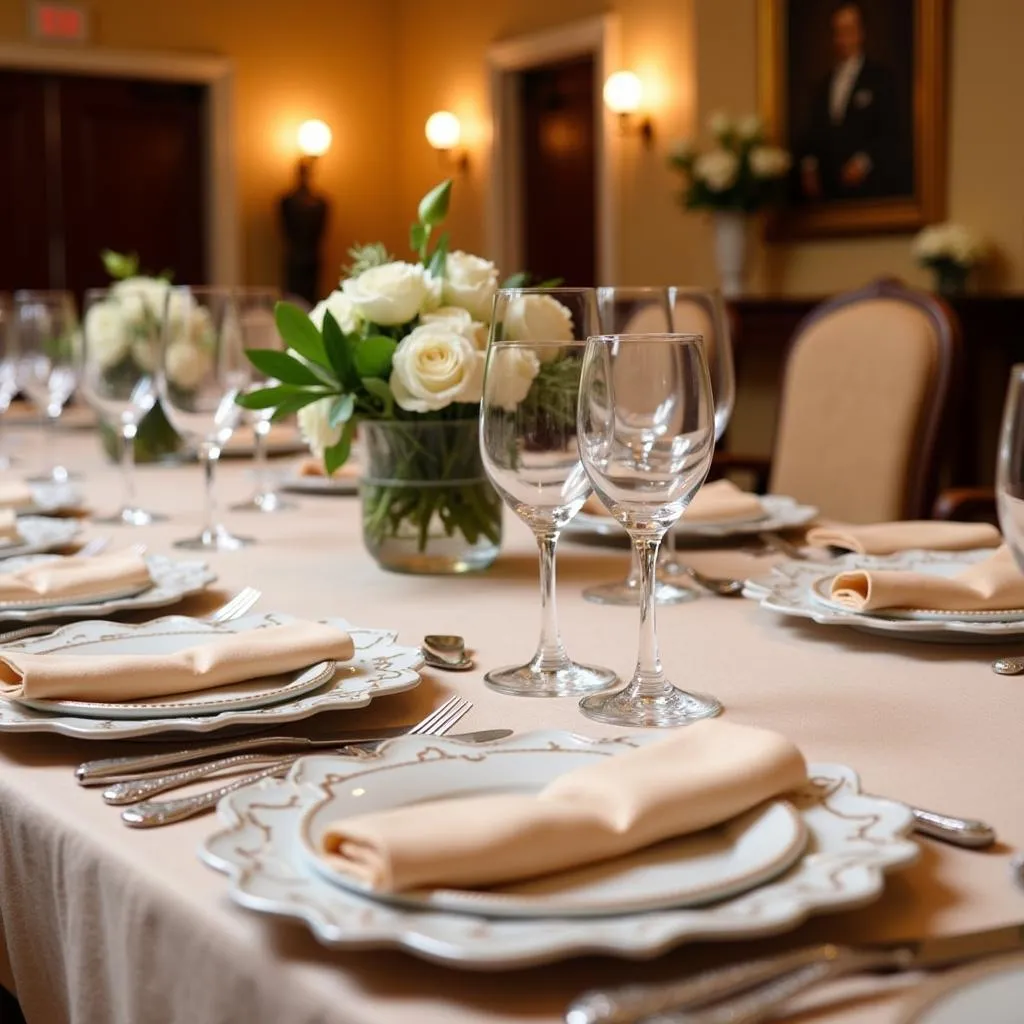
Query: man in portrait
[852, 149]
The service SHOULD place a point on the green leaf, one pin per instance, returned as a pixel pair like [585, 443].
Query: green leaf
[433, 206]
[337, 455]
[520, 280]
[380, 389]
[281, 366]
[265, 398]
[341, 410]
[339, 353]
[299, 333]
[418, 235]
[373, 356]
[293, 403]
[438, 260]
[119, 265]
[552, 282]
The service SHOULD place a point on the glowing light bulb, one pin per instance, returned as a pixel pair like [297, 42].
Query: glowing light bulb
[314, 138]
[443, 130]
[623, 92]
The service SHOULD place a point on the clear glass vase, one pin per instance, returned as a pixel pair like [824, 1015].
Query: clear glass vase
[427, 505]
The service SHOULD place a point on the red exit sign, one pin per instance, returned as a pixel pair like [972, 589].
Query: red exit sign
[64, 23]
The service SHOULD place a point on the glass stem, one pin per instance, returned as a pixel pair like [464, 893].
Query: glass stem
[649, 678]
[51, 441]
[209, 453]
[128, 432]
[260, 430]
[550, 656]
[633, 579]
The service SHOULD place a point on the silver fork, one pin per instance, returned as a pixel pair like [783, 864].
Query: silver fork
[154, 813]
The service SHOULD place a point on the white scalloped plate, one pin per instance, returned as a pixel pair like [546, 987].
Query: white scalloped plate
[40, 533]
[52, 497]
[379, 667]
[853, 840]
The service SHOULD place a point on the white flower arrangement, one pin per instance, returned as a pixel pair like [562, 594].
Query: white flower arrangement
[949, 244]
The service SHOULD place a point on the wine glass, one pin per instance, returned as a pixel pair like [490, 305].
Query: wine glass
[647, 435]
[202, 370]
[1010, 467]
[635, 311]
[119, 354]
[46, 329]
[530, 453]
[8, 364]
[256, 322]
[702, 311]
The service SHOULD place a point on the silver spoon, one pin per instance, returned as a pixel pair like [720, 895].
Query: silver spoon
[1008, 666]
[445, 647]
[1017, 869]
[719, 585]
[464, 664]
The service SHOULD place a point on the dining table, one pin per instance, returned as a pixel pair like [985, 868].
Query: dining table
[102, 924]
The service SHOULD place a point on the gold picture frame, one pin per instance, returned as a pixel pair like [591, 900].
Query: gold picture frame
[925, 201]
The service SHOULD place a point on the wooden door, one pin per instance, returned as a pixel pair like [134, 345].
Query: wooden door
[558, 171]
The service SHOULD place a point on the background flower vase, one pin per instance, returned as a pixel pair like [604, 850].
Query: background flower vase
[950, 278]
[155, 441]
[950, 252]
[730, 251]
[427, 505]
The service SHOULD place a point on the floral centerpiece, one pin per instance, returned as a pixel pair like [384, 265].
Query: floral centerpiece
[739, 175]
[124, 338]
[951, 251]
[397, 353]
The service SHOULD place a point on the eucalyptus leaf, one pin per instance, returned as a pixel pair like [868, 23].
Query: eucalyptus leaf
[299, 333]
[341, 410]
[339, 350]
[433, 206]
[373, 356]
[281, 366]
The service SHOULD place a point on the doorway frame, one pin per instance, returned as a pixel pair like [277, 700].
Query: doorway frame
[221, 244]
[598, 38]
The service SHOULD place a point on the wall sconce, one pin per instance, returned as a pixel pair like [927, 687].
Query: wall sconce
[444, 132]
[314, 138]
[623, 93]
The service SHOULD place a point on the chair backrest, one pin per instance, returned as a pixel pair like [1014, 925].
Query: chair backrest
[864, 390]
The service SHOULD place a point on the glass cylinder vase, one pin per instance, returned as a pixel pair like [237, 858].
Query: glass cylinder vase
[427, 505]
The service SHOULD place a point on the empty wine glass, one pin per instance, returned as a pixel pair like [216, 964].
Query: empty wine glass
[8, 365]
[647, 435]
[1010, 466]
[635, 311]
[256, 322]
[46, 330]
[118, 358]
[530, 452]
[203, 369]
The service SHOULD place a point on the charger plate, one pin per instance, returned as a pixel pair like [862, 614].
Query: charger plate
[853, 839]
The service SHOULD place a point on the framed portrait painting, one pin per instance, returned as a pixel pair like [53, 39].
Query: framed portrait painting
[856, 90]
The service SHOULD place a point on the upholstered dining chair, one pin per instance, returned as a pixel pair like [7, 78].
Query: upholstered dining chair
[864, 391]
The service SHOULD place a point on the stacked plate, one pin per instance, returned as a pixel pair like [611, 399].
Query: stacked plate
[777, 513]
[380, 666]
[763, 872]
[803, 590]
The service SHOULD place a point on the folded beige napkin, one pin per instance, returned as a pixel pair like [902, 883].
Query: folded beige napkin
[315, 467]
[15, 494]
[889, 538]
[995, 584]
[719, 501]
[700, 776]
[231, 658]
[8, 526]
[74, 579]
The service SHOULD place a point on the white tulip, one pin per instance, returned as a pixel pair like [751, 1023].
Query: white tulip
[470, 282]
[315, 426]
[388, 295]
[434, 366]
[769, 161]
[718, 169]
[107, 335]
[510, 375]
[340, 306]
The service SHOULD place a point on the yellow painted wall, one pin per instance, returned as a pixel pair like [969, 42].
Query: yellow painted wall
[315, 58]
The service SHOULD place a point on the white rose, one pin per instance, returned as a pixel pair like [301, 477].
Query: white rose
[749, 128]
[186, 364]
[718, 169]
[107, 335]
[510, 375]
[720, 124]
[389, 294]
[143, 295]
[538, 318]
[315, 426]
[470, 282]
[769, 161]
[340, 307]
[146, 353]
[461, 321]
[434, 366]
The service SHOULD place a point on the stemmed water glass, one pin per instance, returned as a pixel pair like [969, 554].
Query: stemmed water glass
[530, 452]
[256, 322]
[1010, 466]
[202, 370]
[647, 435]
[118, 357]
[46, 330]
[8, 364]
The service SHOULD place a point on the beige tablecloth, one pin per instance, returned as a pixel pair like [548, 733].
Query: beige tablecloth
[129, 928]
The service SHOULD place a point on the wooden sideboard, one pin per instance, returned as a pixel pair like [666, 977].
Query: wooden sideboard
[992, 328]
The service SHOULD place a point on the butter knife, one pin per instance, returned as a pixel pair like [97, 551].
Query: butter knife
[752, 992]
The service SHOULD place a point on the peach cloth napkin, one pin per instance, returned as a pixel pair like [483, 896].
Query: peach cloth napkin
[719, 501]
[15, 494]
[889, 538]
[701, 776]
[228, 658]
[74, 579]
[8, 526]
[995, 584]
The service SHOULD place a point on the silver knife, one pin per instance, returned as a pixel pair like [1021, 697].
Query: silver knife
[97, 773]
[751, 992]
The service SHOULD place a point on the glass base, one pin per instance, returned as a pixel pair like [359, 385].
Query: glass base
[670, 707]
[627, 592]
[571, 681]
[54, 475]
[131, 517]
[265, 501]
[217, 539]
